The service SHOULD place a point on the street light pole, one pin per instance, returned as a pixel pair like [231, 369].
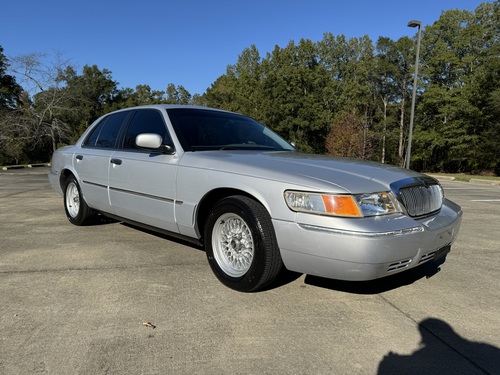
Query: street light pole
[413, 23]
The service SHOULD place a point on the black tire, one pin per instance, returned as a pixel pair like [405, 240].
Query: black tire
[77, 210]
[241, 245]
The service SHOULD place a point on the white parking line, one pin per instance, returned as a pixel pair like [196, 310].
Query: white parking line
[465, 188]
[485, 200]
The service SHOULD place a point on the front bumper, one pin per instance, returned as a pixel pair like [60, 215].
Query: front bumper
[365, 249]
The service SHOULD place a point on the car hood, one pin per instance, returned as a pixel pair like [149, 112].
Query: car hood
[318, 172]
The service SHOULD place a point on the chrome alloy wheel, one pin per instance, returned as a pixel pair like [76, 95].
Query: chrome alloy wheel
[72, 199]
[233, 244]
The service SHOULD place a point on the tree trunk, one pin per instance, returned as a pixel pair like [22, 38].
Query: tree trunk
[384, 130]
[53, 135]
[401, 133]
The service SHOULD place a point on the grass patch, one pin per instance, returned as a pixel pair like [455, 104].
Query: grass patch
[467, 177]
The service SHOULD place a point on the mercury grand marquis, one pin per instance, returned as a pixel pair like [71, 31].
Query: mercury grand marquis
[230, 184]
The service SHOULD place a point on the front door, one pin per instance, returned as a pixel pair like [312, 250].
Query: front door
[142, 183]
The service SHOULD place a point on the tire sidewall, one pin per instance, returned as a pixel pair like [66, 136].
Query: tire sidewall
[82, 215]
[250, 280]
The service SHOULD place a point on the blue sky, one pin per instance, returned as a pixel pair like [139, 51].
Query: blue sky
[191, 42]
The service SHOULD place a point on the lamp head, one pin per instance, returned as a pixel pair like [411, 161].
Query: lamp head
[414, 23]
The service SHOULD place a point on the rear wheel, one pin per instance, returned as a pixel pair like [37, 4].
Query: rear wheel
[241, 245]
[77, 210]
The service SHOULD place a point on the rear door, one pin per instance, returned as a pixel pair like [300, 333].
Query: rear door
[92, 162]
[142, 183]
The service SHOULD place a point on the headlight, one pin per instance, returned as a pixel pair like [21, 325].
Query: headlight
[359, 205]
[377, 204]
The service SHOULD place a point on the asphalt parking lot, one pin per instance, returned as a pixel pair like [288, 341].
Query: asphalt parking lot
[113, 299]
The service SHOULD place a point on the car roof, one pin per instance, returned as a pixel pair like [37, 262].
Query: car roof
[169, 106]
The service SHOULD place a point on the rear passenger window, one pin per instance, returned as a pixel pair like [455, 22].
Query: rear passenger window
[92, 138]
[145, 121]
[106, 133]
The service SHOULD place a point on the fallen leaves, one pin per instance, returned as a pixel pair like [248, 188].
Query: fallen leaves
[150, 325]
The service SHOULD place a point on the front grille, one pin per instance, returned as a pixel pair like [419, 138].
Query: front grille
[421, 197]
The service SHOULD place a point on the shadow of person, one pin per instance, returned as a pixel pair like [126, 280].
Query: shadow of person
[443, 351]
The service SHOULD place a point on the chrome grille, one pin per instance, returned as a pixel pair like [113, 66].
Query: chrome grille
[420, 196]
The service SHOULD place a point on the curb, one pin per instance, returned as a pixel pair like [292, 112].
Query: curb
[484, 182]
[471, 181]
[9, 167]
[443, 178]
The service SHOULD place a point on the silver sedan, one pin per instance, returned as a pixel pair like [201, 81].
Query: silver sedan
[224, 181]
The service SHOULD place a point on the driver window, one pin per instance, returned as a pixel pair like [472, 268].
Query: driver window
[145, 121]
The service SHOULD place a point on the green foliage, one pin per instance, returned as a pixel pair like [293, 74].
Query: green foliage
[323, 94]
[460, 75]
[89, 93]
[343, 96]
[10, 91]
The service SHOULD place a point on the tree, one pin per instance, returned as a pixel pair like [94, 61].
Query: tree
[460, 75]
[46, 105]
[402, 56]
[13, 130]
[177, 95]
[16, 132]
[293, 104]
[239, 90]
[10, 91]
[346, 136]
[483, 89]
[350, 64]
[222, 93]
[62, 103]
[339, 95]
[90, 94]
[386, 86]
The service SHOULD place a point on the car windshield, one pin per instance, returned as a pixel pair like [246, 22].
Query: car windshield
[202, 130]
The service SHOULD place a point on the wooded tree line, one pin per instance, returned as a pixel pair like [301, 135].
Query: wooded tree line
[341, 96]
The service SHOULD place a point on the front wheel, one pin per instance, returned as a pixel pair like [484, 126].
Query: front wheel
[241, 245]
[77, 210]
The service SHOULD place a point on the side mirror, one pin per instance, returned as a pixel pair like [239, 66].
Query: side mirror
[153, 142]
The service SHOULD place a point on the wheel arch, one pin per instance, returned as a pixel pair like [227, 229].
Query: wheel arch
[65, 173]
[241, 244]
[210, 200]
